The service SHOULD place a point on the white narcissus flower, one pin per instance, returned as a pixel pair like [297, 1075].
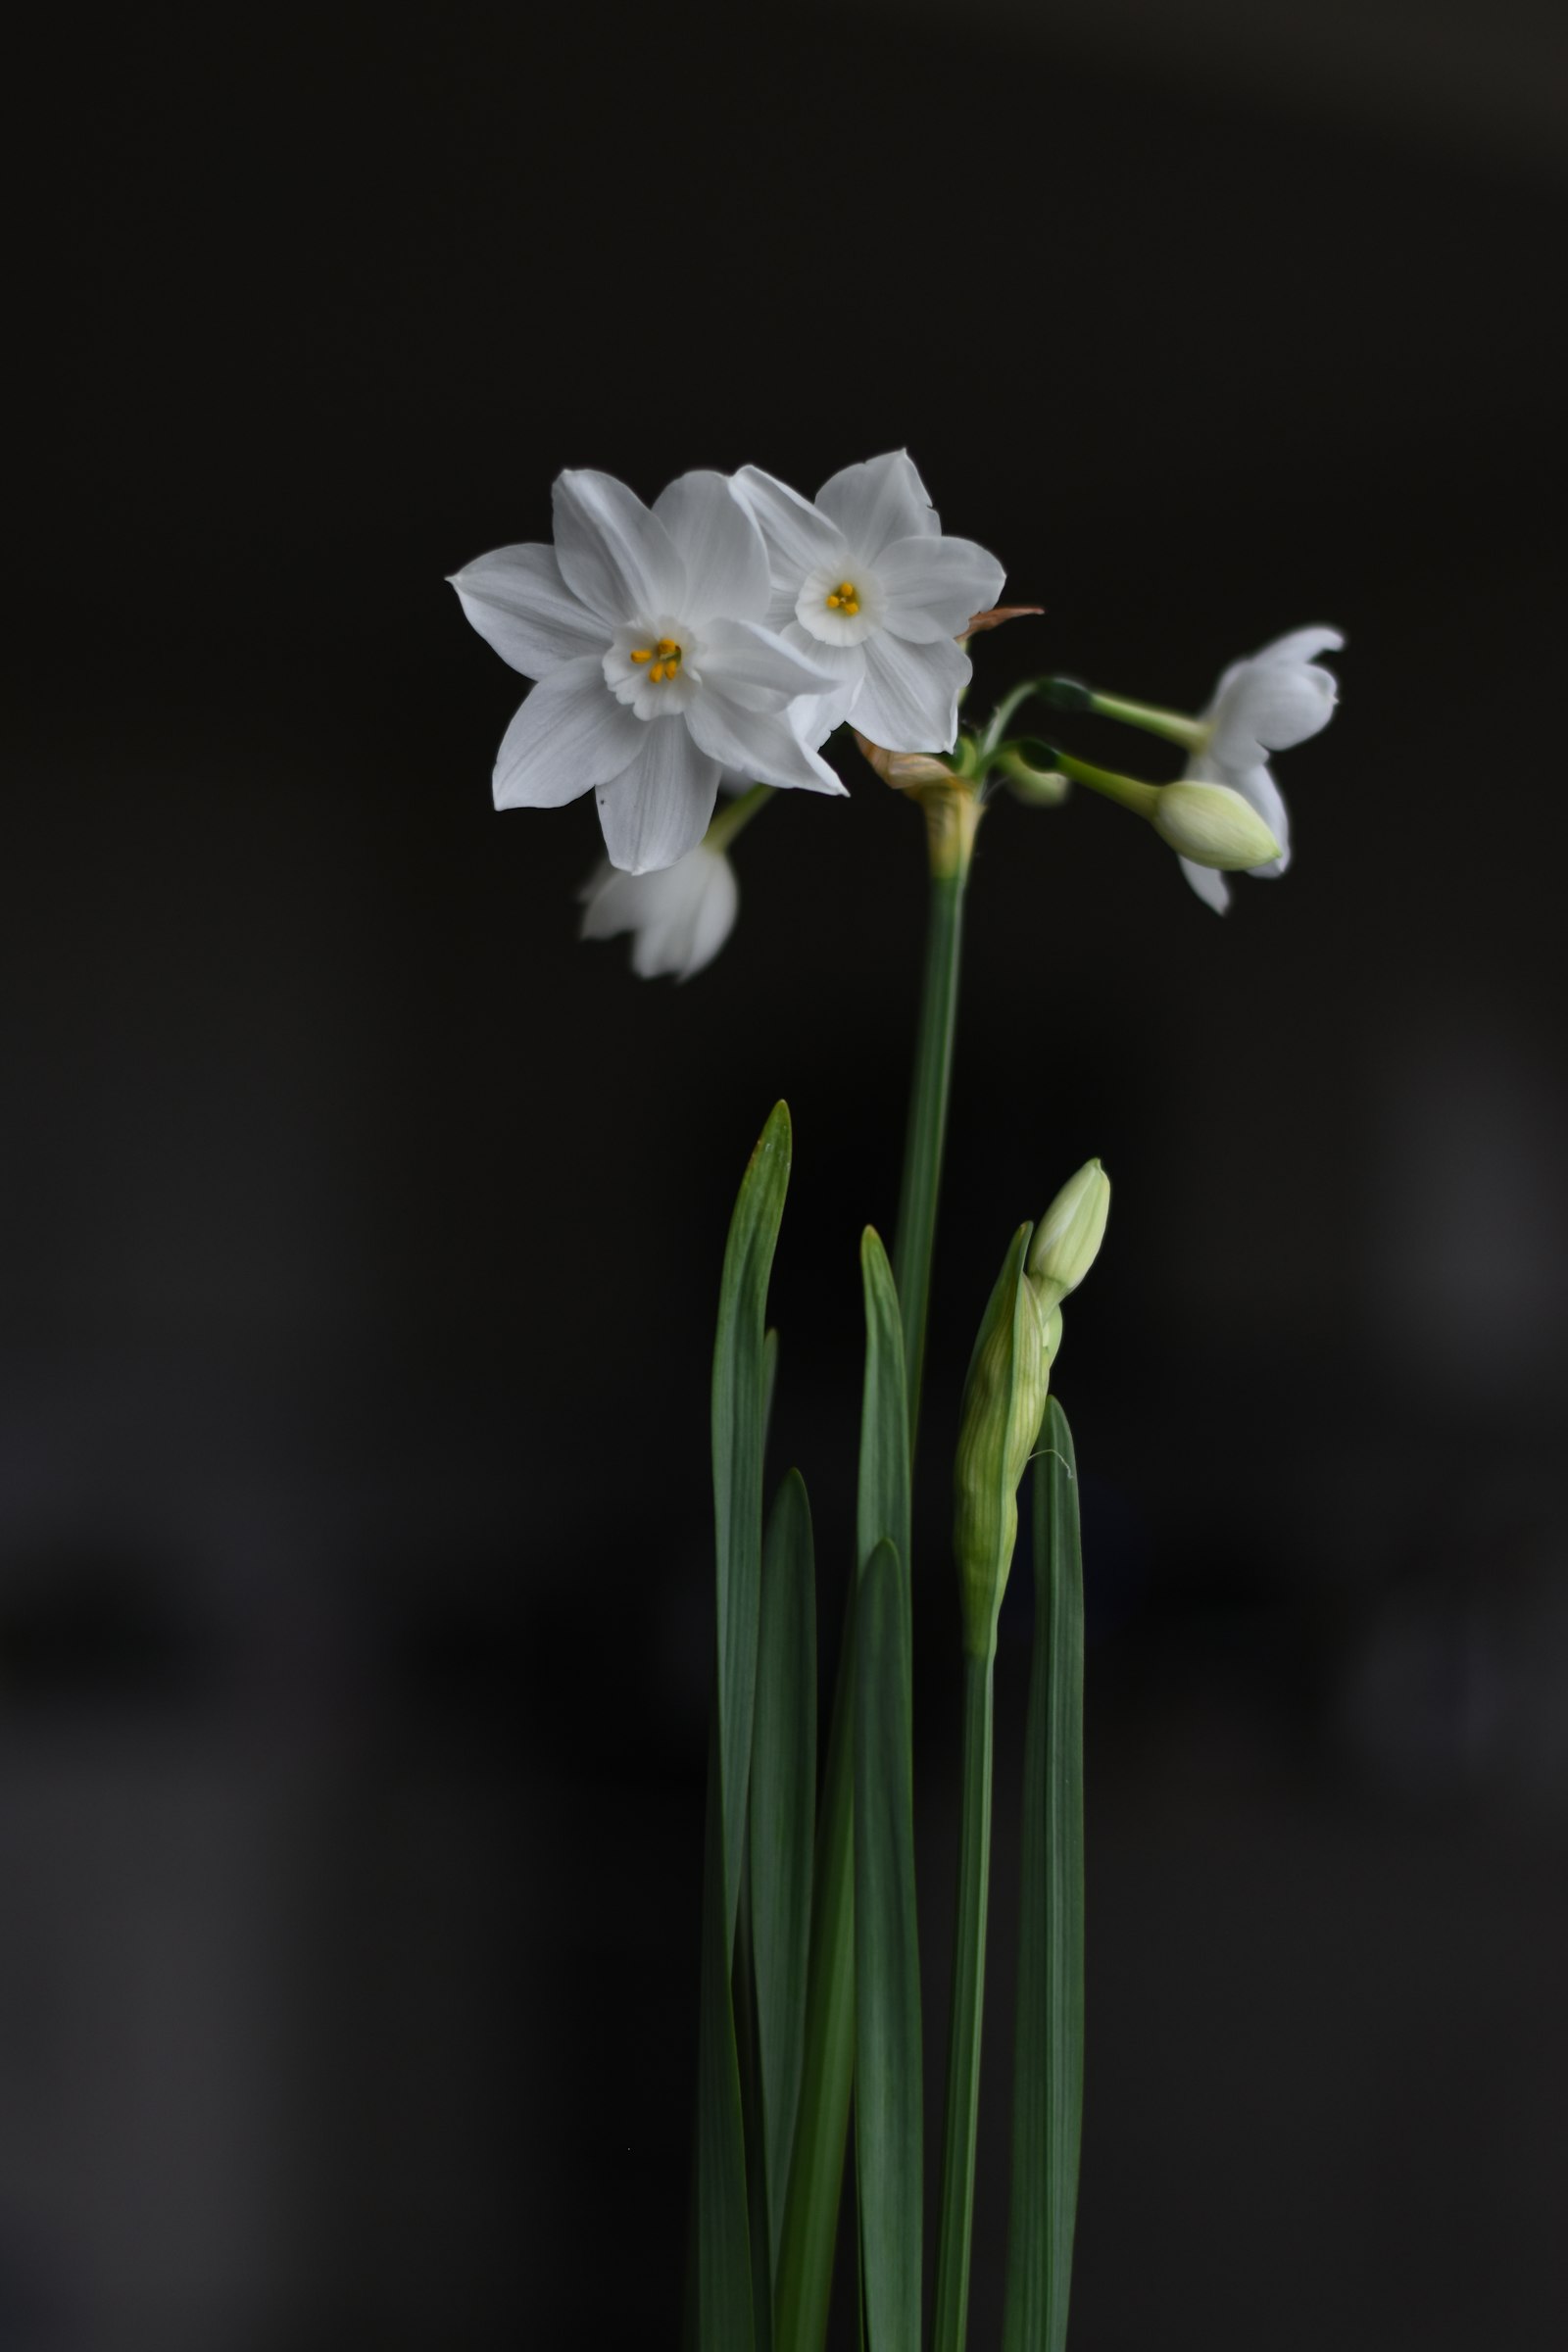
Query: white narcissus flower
[646, 630]
[865, 585]
[1273, 699]
[679, 918]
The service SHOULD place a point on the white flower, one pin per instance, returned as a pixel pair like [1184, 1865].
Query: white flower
[679, 918]
[1273, 699]
[865, 585]
[646, 631]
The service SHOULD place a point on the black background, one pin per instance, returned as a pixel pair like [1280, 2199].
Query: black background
[361, 1232]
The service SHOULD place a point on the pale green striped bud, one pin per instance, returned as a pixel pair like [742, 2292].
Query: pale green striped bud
[1212, 826]
[1068, 1236]
[1003, 1404]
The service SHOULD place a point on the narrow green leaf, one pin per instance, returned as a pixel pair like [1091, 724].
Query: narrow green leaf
[887, 1970]
[724, 2262]
[822, 2123]
[1048, 2055]
[740, 1380]
[883, 1503]
[783, 1810]
[817, 2173]
[749, 2053]
[951, 2318]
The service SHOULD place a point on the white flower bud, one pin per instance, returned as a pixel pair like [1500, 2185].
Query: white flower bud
[1066, 1241]
[1212, 826]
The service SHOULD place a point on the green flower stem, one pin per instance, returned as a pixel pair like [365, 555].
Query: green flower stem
[1173, 725]
[951, 813]
[968, 1995]
[1142, 798]
[736, 815]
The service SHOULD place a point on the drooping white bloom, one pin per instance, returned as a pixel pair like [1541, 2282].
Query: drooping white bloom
[1275, 699]
[679, 918]
[646, 632]
[865, 585]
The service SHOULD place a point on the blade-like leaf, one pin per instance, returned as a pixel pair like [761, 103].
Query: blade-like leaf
[724, 2262]
[1048, 2054]
[887, 1971]
[740, 1382]
[822, 2117]
[883, 1505]
[810, 2226]
[783, 1813]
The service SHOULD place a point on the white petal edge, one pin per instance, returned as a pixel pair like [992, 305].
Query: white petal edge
[1209, 884]
[521, 607]
[614, 553]
[910, 701]
[569, 735]
[877, 503]
[659, 807]
[762, 745]
[933, 586]
[717, 539]
[744, 660]
[798, 535]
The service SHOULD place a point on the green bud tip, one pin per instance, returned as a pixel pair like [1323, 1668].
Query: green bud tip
[1212, 826]
[1067, 694]
[1066, 1241]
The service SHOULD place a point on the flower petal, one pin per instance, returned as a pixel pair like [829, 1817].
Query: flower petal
[713, 918]
[1301, 645]
[761, 744]
[932, 586]
[519, 604]
[614, 553]
[745, 660]
[816, 718]
[569, 735]
[877, 503]
[909, 701]
[1209, 884]
[798, 535]
[1258, 786]
[720, 545]
[659, 807]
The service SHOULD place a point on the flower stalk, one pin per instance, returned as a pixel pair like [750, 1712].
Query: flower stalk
[951, 818]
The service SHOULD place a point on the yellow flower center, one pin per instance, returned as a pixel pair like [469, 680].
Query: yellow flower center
[667, 663]
[845, 599]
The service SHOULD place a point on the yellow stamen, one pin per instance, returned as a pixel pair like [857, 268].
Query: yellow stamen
[642, 653]
[657, 673]
[846, 591]
[668, 645]
[833, 603]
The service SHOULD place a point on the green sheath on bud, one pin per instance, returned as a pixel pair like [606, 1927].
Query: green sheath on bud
[1212, 826]
[1068, 1236]
[1004, 1404]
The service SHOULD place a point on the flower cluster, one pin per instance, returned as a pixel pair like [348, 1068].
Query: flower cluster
[733, 624]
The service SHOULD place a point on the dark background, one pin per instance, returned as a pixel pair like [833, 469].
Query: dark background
[358, 1232]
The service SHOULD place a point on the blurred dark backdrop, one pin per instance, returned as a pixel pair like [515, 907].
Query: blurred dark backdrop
[361, 1231]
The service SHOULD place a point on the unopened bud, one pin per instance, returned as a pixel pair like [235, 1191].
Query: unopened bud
[1003, 1404]
[1068, 1236]
[903, 770]
[1212, 826]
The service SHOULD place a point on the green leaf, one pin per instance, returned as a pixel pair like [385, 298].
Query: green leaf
[883, 1503]
[740, 1382]
[1049, 2053]
[723, 2270]
[950, 2312]
[783, 1811]
[822, 2123]
[887, 1968]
